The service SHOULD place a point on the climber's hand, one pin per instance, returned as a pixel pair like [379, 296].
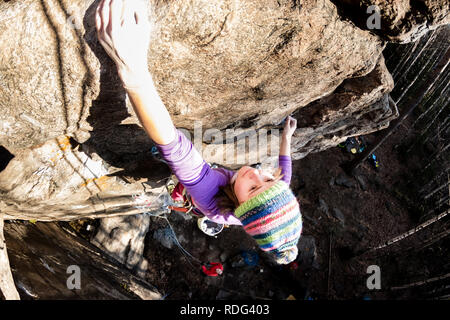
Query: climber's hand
[124, 32]
[289, 127]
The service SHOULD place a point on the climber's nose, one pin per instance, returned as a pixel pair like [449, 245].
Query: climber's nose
[255, 175]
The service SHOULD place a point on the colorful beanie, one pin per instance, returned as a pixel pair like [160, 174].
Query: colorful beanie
[274, 220]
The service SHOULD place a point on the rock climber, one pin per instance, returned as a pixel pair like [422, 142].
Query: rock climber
[259, 201]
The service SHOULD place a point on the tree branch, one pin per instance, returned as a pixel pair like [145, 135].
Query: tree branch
[419, 283]
[412, 231]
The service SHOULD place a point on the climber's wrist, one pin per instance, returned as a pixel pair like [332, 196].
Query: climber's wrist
[134, 79]
[286, 138]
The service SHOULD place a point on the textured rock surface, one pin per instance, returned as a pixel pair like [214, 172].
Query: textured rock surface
[61, 181]
[231, 64]
[40, 255]
[123, 239]
[358, 106]
[7, 286]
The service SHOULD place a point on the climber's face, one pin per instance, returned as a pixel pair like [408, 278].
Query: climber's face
[250, 182]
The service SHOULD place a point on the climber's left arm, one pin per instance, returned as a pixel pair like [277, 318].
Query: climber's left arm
[284, 159]
[288, 130]
[124, 32]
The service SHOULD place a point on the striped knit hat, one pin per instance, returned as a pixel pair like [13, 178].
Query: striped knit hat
[274, 220]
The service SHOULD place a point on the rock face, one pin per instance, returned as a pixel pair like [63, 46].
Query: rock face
[123, 239]
[78, 148]
[326, 122]
[42, 267]
[233, 64]
[59, 180]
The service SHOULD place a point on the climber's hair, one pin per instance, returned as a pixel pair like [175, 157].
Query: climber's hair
[227, 200]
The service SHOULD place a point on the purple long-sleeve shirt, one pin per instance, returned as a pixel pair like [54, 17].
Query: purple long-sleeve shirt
[202, 182]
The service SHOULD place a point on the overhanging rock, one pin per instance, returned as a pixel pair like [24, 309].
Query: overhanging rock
[63, 180]
[228, 63]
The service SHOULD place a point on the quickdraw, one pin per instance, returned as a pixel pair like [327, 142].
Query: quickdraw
[212, 269]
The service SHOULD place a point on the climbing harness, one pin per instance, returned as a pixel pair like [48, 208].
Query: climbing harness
[163, 205]
[184, 203]
[182, 200]
[177, 199]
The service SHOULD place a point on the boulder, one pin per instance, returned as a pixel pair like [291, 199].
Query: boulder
[358, 106]
[87, 156]
[233, 64]
[44, 260]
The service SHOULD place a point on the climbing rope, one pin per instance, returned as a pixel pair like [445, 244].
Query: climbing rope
[183, 250]
[167, 205]
[209, 268]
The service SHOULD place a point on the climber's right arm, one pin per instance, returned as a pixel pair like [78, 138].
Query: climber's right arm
[151, 111]
[124, 32]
